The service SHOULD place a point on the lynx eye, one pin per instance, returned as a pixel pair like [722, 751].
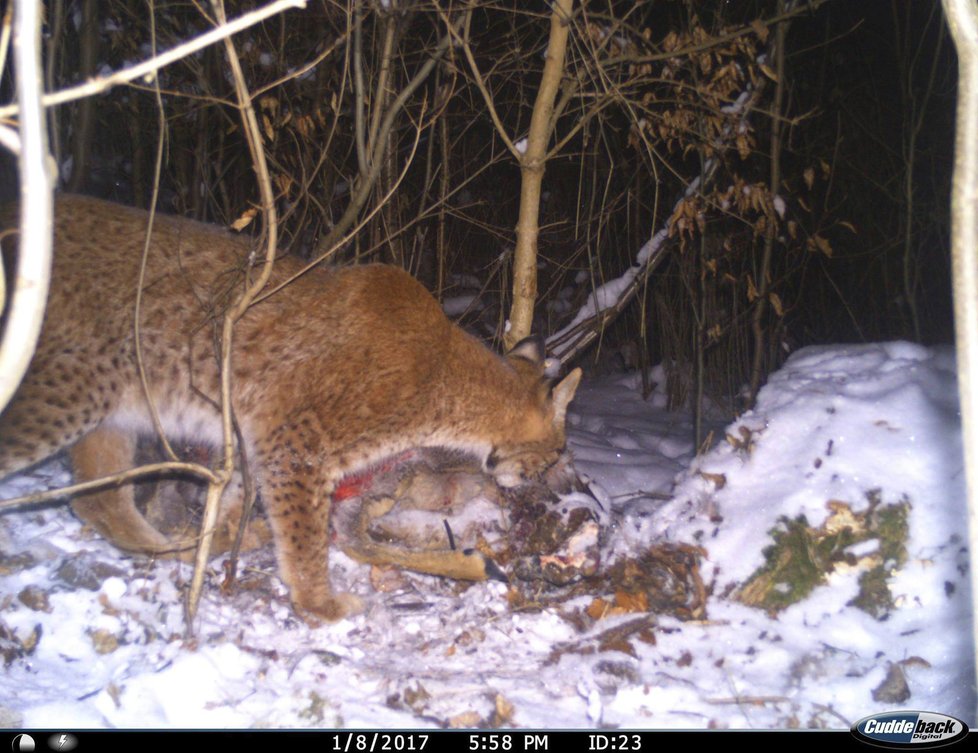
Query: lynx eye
[492, 461]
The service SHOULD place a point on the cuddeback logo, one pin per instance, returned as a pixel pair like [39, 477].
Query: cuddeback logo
[909, 729]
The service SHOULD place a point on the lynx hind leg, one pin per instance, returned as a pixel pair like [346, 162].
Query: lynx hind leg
[175, 506]
[467, 564]
[112, 511]
[298, 507]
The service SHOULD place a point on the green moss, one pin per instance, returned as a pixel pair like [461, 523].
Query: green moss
[802, 557]
[795, 564]
[315, 712]
[891, 526]
[874, 595]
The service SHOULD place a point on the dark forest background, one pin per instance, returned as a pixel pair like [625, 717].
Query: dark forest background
[820, 214]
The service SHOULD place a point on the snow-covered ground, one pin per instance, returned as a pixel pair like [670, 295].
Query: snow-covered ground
[90, 638]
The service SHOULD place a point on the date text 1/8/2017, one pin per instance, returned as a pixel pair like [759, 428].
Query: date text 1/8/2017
[379, 742]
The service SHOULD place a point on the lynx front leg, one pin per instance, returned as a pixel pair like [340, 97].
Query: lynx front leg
[298, 506]
[112, 511]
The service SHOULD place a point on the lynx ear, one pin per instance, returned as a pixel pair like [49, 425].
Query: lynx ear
[530, 349]
[563, 393]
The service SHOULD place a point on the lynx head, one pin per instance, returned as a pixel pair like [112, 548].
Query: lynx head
[540, 440]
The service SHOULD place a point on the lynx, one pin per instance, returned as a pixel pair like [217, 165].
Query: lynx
[340, 369]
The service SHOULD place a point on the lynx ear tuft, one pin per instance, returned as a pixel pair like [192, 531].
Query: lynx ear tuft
[530, 349]
[551, 368]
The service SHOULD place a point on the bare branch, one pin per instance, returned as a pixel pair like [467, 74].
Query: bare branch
[375, 160]
[10, 139]
[608, 300]
[7, 23]
[137, 338]
[30, 289]
[481, 86]
[329, 251]
[216, 489]
[149, 67]
[116, 479]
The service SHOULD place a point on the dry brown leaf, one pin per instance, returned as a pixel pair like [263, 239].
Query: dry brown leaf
[915, 661]
[283, 182]
[743, 442]
[104, 641]
[646, 636]
[598, 609]
[823, 245]
[719, 479]
[504, 711]
[632, 601]
[30, 642]
[752, 294]
[244, 220]
[617, 643]
[114, 692]
[465, 719]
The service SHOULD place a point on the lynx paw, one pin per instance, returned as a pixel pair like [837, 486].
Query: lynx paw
[328, 609]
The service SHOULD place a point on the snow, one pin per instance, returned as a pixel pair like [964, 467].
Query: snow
[843, 424]
[603, 297]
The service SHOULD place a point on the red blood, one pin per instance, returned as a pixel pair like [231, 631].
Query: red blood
[357, 484]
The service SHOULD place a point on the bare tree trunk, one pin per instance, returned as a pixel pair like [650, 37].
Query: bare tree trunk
[532, 165]
[55, 44]
[443, 188]
[757, 371]
[962, 16]
[391, 210]
[137, 143]
[698, 297]
[84, 124]
[914, 109]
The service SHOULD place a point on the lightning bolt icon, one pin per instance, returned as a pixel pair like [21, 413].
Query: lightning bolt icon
[62, 741]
